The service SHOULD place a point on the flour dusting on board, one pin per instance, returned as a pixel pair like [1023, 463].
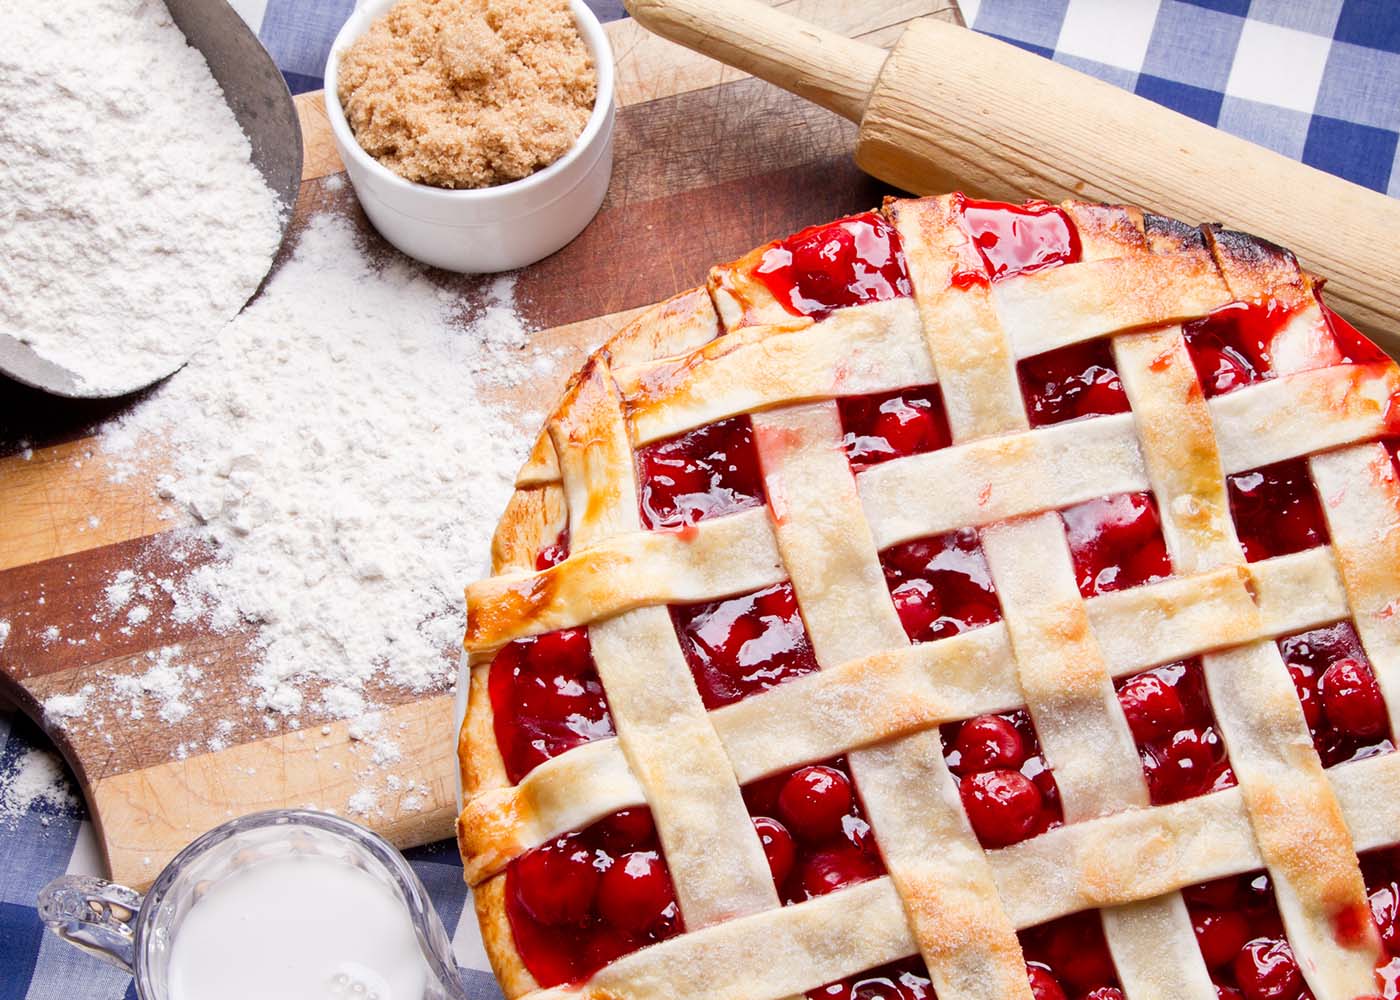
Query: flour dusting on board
[134, 224]
[340, 469]
[344, 474]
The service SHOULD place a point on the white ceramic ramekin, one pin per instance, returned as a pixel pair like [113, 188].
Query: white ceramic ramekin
[485, 229]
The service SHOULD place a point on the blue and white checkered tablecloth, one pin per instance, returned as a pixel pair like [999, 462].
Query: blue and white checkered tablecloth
[1318, 80]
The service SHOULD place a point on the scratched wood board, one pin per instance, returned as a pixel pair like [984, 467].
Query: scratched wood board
[708, 164]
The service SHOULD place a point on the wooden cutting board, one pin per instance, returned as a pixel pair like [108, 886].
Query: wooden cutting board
[709, 163]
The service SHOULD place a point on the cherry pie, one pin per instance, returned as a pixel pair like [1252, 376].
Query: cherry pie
[962, 600]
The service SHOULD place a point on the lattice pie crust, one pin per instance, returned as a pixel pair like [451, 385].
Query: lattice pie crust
[879, 698]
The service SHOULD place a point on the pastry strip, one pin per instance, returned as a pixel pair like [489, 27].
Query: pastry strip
[1077, 302]
[1299, 414]
[969, 351]
[1067, 684]
[970, 485]
[1361, 501]
[716, 862]
[934, 860]
[864, 349]
[623, 571]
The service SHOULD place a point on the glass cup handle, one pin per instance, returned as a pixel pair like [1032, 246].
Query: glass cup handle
[94, 915]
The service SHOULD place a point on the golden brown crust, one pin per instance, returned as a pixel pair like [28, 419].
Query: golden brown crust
[1255, 268]
[489, 899]
[1108, 230]
[741, 299]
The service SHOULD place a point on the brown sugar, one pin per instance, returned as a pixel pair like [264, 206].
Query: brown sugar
[468, 93]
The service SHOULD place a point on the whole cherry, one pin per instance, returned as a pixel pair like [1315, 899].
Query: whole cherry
[832, 868]
[777, 846]
[814, 800]
[906, 429]
[988, 743]
[1003, 806]
[1351, 699]
[1044, 986]
[917, 607]
[628, 829]
[557, 883]
[1075, 949]
[635, 893]
[1220, 935]
[1266, 970]
[1152, 707]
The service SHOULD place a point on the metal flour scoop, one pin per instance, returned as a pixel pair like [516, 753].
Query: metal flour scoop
[258, 96]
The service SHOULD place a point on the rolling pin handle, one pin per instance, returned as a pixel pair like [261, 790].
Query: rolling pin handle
[825, 68]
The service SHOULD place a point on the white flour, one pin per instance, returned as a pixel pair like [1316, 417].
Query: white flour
[168, 680]
[345, 470]
[132, 223]
[37, 777]
[68, 706]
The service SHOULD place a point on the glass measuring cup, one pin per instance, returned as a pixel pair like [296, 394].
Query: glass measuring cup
[138, 933]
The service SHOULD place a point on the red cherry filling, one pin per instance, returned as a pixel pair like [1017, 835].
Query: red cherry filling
[1044, 985]
[586, 898]
[635, 894]
[1276, 510]
[555, 552]
[881, 427]
[1069, 957]
[1007, 790]
[813, 830]
[1341, 700]
[1392, 448]
[1168, 711]
[1233, 346]
[706, 472]
[1018, 239]
[989, 743]
[558, 883]
[845, 263]
[545, 698]
[778, 847]
[903, 980]
[940, 585]
[1072, 382]
[1116, 542]
[1241, 938]
[1354, 347]
[815, 800]
[1265, 969]
[742, 645]
[1381, 872]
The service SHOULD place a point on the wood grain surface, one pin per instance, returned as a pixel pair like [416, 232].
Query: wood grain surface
[742, 162]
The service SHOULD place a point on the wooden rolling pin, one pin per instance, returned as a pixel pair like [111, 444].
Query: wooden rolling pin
[948, 109]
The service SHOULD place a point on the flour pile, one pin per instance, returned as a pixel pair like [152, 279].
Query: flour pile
[133, 224]
[36, 778]
[339, 458]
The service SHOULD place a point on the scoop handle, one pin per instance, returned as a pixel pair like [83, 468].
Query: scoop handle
[825, 68]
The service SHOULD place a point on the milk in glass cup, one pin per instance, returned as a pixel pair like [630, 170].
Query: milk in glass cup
[280, 905]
